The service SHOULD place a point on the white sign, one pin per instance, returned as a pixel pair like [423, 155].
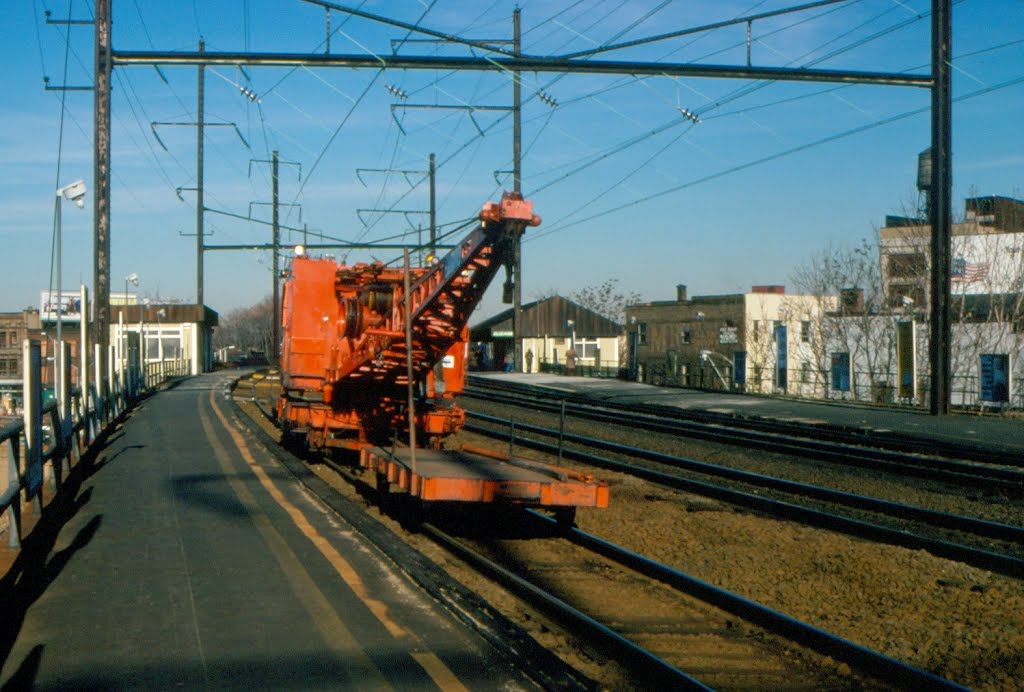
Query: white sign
[727, 335]
[69, 305]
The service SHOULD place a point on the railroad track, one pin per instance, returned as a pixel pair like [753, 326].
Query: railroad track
[684, 638]
[948, 463]
[638, 640]
[905, 532]
[726, 655]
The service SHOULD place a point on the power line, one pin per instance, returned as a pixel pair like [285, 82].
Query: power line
[777, 155]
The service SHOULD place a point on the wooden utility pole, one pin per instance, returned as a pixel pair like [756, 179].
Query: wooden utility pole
[101, 184]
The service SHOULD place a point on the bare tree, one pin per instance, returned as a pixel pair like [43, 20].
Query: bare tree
[606, 300]
[247, 329]
[854, 274]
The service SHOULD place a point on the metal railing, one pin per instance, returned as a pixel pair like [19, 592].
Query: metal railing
[48, 439]
[587, 368]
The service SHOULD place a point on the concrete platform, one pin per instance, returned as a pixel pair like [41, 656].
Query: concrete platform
[999, 433]
[188, 558]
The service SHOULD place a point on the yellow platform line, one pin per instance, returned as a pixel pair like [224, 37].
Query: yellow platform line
[429, 661]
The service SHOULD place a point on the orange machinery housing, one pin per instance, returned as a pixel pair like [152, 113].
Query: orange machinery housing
[354, 338]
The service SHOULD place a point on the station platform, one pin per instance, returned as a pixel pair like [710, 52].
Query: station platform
[187, 556]
[1000, 434]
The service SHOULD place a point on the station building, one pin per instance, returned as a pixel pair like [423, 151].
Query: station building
[551, 328]
[169, 332]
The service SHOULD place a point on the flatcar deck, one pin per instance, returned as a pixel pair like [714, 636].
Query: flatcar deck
[478, 476]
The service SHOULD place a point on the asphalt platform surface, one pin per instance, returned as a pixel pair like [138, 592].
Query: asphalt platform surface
[189, 558]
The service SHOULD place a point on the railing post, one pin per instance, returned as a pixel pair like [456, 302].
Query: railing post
[115, 390]
[33, 420]
[83, 367]
[14, 510]
[64, 408]
[99, 395]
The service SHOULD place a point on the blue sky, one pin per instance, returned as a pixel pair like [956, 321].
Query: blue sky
[628, 189]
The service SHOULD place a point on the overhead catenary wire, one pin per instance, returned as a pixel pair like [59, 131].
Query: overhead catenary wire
[776, 155]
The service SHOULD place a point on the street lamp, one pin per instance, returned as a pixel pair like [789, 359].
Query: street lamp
[132, 279]
[75, 192]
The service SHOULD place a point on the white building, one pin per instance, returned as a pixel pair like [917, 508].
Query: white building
[868, 360]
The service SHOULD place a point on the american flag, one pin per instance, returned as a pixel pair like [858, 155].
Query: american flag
[970, 272]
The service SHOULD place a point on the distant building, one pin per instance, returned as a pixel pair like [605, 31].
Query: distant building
[15, 327]
[879, 348]
[551, 327]
[987, 252]
[761, 341]
[171, 331]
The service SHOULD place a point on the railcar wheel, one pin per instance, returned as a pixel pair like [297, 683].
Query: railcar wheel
[565, 517]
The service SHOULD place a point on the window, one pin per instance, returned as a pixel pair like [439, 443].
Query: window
[805, 331]
[757, 330]
[586, 348]
[641, 333]
[687, 336]
[907, 265]
[915, 293]
[805, 372]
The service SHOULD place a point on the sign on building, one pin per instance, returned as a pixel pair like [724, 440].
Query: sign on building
[995, 377]
[906, 359]
[68, 304]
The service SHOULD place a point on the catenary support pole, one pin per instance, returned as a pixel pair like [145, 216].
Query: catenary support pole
[200, 106]
[940, 209]
[517, 183]
[275, 348]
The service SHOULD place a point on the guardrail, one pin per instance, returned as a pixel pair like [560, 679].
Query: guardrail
[44, 443]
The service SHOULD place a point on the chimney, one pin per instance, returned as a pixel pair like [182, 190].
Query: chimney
[851, 300]
[680, 293]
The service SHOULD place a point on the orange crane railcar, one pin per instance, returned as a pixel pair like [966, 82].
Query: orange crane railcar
[352, 336]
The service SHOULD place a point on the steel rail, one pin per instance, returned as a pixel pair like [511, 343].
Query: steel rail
[926, 452]
[855, 655]
[998, 562]
[981, 527]
[657, 672]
